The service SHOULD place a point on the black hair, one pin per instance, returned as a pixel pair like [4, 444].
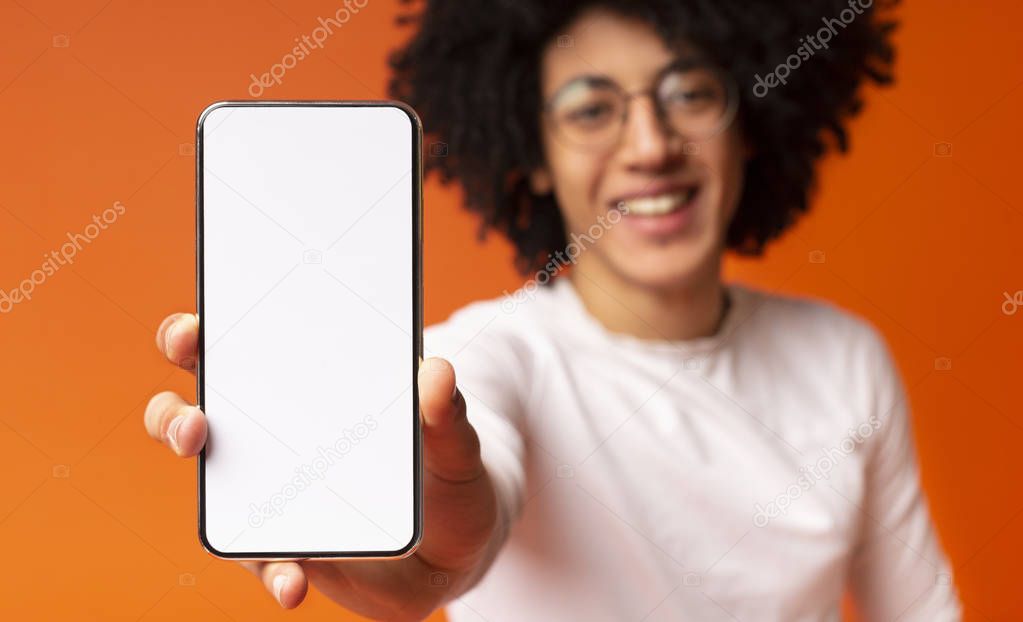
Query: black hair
[472, 71]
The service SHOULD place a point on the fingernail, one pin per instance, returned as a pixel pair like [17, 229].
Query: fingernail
[454, 393]
[172, 432]
[280, 582]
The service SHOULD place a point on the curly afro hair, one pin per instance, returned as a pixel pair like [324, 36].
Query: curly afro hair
[472, 71]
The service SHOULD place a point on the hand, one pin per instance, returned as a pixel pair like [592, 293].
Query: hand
[460, 531]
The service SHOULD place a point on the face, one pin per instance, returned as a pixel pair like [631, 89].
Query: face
[659, 201]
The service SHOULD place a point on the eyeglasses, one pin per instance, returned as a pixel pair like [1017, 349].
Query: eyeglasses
[691, 97]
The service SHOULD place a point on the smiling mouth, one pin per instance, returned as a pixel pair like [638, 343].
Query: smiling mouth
[657, 205]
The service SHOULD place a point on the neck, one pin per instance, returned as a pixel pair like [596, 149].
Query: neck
[687, 311]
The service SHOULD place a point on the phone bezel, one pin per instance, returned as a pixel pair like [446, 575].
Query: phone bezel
[417, 320]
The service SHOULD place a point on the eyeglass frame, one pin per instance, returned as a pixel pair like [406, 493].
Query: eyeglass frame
[679, 64]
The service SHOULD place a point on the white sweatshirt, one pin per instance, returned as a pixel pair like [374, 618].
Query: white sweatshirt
[752, 475]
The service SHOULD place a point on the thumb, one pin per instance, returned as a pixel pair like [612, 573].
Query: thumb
[452, 447]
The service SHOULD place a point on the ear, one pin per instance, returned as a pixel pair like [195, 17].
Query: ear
[540, 181]
[748, 149]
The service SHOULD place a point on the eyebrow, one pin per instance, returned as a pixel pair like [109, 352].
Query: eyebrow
[594, 79]
[682, 63]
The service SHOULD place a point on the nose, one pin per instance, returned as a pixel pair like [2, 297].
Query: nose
[646, 144]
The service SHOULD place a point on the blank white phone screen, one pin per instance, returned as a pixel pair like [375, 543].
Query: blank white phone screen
[308, 312]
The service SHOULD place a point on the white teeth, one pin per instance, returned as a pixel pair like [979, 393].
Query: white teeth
[657, 205]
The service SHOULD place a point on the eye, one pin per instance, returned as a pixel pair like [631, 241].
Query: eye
[590, 113]
[692, 99]
[691, 90]
[691, 96]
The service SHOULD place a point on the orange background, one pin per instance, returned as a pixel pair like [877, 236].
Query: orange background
[98, 521]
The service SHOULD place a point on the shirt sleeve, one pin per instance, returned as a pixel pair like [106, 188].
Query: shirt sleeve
[898, 569]
[490, 371]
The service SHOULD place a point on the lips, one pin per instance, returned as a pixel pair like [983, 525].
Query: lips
[659, 211]
[656, 205]
[655, 199]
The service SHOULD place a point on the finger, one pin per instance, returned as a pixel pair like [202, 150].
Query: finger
[178, 339]
[176, 423]
[452, 446]
[285, 581]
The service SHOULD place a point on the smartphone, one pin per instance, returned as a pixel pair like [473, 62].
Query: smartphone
[309, 262]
